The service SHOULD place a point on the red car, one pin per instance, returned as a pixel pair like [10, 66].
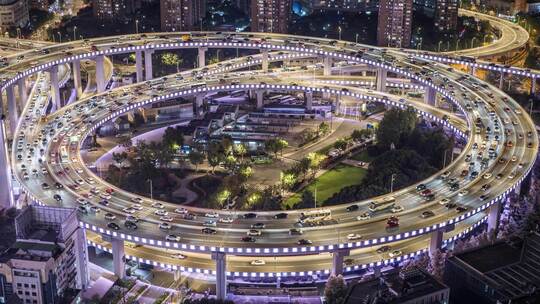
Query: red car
[426, 192]
[110, 190]
[393, 221]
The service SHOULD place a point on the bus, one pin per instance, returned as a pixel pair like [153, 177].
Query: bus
[315, 216]
[383, 204]
[64, 157]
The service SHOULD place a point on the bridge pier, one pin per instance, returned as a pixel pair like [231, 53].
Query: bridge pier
[12, 109]
[148, 64]
[501, 81]
[494, 216]
[23, 96]
[139, 66]
[100, 73]
[264, 61]
[199, 99]
[55, 87]
[337, 104]
[533, 86]
[202, 56]
[119, 261]
[260, 99]
[435, 241]
[327, 66]
[337, 261]
[472, 70]
[430, 96]
[308, 100]
[177, 274]
[221, 274]
[6, 192]
[76, 67]
[381, 80]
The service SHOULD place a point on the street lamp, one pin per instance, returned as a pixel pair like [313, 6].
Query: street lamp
[59, 37]
[392, 179]
[339, 30]
[74, 33]
[472, 42]
[151, 191]
[439, 46]
[137, 26]
[457, 44]
[356, 40]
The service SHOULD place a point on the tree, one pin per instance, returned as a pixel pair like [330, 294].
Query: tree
[281, 145]
[196, 158]
[272, 145]
[241, 151]
[214, 156]
[307, 201]
[335, 290]
[323, 129]
[173, 137]
[126, 142]
[165, 155]
[171, 59]
[341, 144]
[395, 127]
[119, 158]
[288, 180]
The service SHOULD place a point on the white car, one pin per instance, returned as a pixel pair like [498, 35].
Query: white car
[172, 238]
[364, 216]
[444, 201]
[158, 205]
[105, 196]
[395, 253]
[79, 170]
[165, 226]
[129, 210]
[137, 200]
[166, 218]
[227, 220]
[82, 201]
[397, 208]
[212, 214]
[354, 236]
[181, 210]
[258, 262]
[488, 175]
[178, 256]
[136, 207]
[210, 224]
[512, 175]
[463, 192]
[80, 181]
[95, 209]
[91, 181]
[514, 158]
[161, 212]
[110, 216]
[254, 232]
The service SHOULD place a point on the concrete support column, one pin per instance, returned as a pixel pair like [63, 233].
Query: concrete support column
[177, 274]
[100, 73]
[6, 191]
[381, 80]
[12, 110]
[494, 216]
[23, 96]
[309, 100]
[435, 241]
[55, 87]
[327, 66]
[148, 64]
[119, 262]
[337, 104]
[76, 66]
[472, 70]
[199, 99]
[139, 65]
[260, 99]
[501, 81]
[533, 86]
[264, 60]
[337, 261]
[221, 274]
[202, 56]
[430, 96]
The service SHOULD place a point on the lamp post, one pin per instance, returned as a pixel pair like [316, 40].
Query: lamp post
[137, 26]
[339, 30]
[457, 44]
[472, 42]
[439, 46]
[356, 39]
[392, 179]
[59, 37]
[151, 190]
[74, 33]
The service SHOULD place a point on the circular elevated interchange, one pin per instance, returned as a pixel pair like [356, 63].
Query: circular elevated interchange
[284, 256]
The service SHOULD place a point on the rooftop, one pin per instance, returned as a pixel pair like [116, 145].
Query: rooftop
[492, 257]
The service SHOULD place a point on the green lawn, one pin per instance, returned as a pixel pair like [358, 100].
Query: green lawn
[362, 156]
[331, 182]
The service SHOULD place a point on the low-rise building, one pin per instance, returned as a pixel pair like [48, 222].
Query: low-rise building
[48, 263]
[411, 286]
[13, 13]
[503, 272]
